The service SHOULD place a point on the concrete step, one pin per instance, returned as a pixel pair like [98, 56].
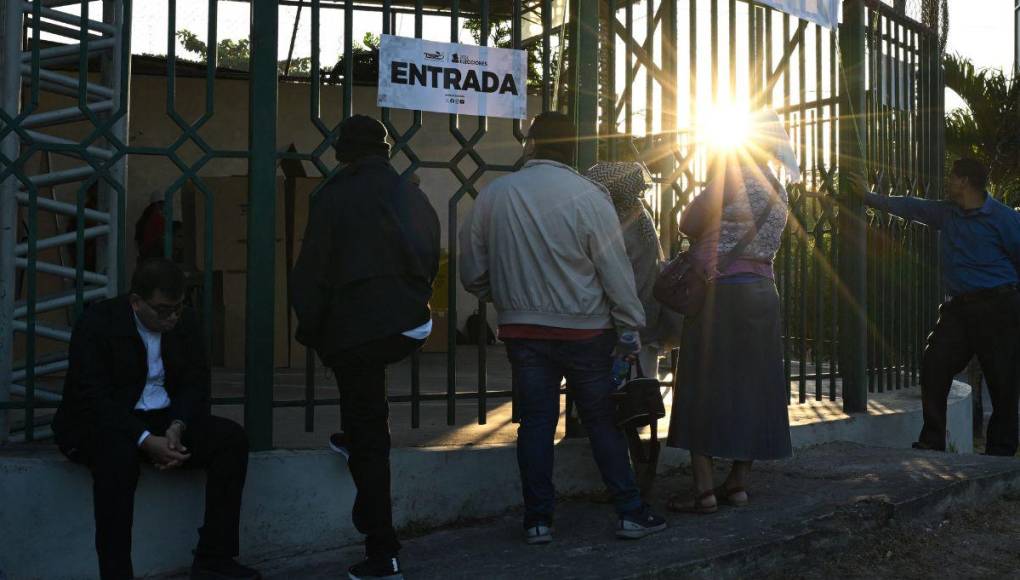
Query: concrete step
[812, 503]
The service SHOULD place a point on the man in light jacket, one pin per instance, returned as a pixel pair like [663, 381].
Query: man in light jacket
[544, 246]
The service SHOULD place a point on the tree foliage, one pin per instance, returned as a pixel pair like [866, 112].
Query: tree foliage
[989, 128]
[236, 54]
[501, 36]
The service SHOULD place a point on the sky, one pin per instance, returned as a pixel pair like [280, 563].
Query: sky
[982, 30]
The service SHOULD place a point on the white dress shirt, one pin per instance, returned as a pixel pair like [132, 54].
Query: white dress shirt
[154, 395]
[420, 333]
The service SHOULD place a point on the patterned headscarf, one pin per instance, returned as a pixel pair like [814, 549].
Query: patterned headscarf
[626, 184]
[772, 137]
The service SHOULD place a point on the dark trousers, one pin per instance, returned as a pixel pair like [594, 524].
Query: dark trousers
[364, 414]
[217, 445]
[989, 329]
[538, 367]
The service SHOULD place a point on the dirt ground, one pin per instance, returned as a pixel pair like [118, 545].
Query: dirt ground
[977, 543]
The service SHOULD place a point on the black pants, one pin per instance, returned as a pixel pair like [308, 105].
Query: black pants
[217, 445]
[990, 329]
[364, 415]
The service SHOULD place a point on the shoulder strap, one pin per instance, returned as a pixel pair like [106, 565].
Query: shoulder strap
[752, 233]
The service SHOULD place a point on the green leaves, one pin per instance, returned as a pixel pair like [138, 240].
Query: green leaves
[989, 128]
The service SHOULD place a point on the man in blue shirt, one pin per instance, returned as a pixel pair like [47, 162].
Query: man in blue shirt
[979, 247]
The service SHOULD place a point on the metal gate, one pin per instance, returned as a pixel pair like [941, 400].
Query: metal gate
[635, 75]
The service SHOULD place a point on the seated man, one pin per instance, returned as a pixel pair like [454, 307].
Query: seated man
[138, 389]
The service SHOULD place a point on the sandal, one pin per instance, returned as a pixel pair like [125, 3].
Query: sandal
[695, 505]
[729, 496]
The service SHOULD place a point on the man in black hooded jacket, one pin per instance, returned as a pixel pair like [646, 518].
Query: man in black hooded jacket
[360, 290]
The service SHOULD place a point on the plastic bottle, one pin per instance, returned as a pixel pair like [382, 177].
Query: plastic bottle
[621, 366]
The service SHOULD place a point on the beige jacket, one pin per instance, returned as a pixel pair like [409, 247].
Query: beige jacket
[544, 246]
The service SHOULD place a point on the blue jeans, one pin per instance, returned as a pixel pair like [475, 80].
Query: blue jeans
[539, 367]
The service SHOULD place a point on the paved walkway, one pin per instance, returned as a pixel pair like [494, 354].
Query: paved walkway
[290, 432]
[805, 505]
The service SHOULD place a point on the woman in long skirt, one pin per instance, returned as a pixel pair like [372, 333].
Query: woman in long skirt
[731, 394]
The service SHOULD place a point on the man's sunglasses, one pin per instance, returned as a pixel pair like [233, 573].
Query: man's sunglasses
[164, 311]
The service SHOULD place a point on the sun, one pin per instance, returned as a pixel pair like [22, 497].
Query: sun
[724, 126]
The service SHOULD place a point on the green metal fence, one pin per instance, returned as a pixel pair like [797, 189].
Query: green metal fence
[634, 74]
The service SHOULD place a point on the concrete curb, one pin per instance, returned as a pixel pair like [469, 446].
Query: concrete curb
[834, 529]
[300, 501]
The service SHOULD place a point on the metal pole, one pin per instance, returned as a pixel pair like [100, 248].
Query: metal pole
[10, 57]
[585, 65]
[259, 308]
[853, 325]
[112, 65]
[669, 124]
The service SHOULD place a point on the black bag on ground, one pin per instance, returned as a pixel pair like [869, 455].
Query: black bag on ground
[639, 404]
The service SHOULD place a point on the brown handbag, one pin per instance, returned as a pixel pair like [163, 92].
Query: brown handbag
[683, 283]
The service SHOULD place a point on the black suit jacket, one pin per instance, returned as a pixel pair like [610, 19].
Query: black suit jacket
[108, 369]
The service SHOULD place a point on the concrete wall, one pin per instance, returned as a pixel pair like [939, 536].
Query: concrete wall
[300, 500]
[151, 125]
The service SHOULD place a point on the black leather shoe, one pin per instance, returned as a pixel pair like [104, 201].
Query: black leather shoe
[376, 569]
[205, 568]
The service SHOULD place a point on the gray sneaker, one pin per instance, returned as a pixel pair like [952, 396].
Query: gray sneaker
[638, 524]
[537, 534]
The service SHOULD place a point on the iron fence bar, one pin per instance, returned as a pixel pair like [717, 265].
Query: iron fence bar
[546, 53]
[692, 65]
[483, 326]
[260, 286]
[901, 227]
[64, 115]
[885, 163]
[669, 32]
[853, 238]
[451, 355]
[731, 40]
[787, 247]
[585, 67]
[63, 271]
[83, 22]
[650, 73]
[348, 86]
[62, 301]
[819, 227]
[805, 253]
[715, 49]
[56, 29]
[629, 73]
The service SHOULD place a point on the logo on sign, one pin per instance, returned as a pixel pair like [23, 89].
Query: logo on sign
[464, 59]
[437, 55]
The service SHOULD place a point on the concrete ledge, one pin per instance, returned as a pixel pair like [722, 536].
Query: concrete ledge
[812, 504]
[298, 501]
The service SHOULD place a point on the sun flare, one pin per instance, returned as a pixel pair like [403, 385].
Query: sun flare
[725, 126]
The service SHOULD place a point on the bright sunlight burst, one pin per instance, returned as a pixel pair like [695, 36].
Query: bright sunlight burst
[724, 126]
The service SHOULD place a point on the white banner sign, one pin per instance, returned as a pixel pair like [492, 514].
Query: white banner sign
[823, 12]
[446, 77]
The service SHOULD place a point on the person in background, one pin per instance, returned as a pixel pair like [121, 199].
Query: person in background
[544, 246]
[979, 251]
[150, 227]
[360, 290]
[627, 183]
[731, 394]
